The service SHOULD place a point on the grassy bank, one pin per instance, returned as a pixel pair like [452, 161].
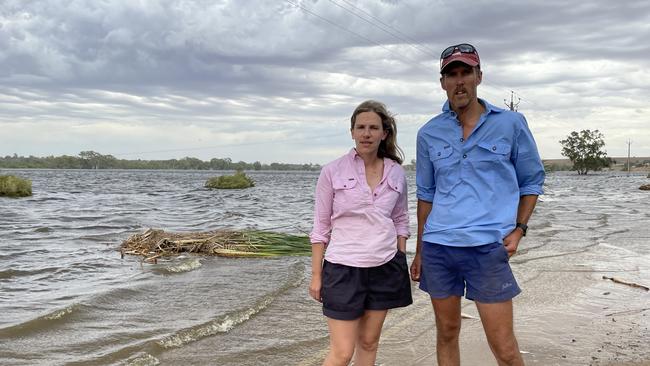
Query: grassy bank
[12, 186]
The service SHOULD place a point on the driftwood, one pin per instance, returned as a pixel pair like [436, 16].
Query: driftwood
[626, 283]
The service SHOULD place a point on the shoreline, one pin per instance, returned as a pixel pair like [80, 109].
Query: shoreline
[562, 317]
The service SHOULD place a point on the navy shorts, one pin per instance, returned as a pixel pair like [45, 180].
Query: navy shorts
[481, 273]
[347, 292]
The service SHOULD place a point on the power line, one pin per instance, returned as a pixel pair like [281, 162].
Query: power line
[400, 35]
[306, 10]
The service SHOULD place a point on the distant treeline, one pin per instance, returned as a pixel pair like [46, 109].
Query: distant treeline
[94, 160]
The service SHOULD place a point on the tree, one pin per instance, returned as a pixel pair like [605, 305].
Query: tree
[585, 150]
[91, 159]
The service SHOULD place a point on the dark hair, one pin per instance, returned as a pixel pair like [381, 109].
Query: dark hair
[476, 68]
[388, 147]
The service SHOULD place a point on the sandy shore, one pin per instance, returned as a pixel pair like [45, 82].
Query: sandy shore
[565, 316]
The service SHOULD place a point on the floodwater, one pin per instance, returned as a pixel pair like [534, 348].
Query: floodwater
[66, 296]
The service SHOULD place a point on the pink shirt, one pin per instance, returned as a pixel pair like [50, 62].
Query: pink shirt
[360, 227]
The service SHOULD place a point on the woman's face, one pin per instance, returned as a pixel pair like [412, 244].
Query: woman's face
[368, 132]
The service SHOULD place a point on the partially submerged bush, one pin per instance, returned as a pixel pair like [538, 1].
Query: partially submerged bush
[13, 186]
[645, 187]
[237, 181]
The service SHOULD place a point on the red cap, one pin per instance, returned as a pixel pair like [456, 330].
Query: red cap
[470, 59]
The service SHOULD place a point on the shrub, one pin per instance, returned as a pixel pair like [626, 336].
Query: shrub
[237, 181]
[13, 186]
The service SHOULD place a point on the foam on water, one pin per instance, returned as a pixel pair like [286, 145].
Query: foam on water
[185, 266]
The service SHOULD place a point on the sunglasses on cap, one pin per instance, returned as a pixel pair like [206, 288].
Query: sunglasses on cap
[462, 48]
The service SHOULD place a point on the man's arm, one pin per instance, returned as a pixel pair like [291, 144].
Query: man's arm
[524, 211]
[423, 210]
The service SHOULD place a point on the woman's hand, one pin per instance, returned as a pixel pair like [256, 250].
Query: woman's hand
[315, 287]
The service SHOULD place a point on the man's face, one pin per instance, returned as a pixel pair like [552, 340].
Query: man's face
[460, 81]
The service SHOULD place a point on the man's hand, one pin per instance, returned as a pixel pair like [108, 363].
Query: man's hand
[315, 287]
[511, 242]
[416, 266]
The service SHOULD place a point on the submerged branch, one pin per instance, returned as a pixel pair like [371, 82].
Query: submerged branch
[632, 284]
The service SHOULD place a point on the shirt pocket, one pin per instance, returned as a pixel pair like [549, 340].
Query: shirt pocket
[346, 192]
[395, 185]
[389, 195]
[440, 155]
[489, 151]
[445, 165]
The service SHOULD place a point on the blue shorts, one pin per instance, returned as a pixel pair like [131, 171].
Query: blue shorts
[483, 270]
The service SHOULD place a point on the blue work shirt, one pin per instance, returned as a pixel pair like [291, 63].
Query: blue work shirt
[475, 185]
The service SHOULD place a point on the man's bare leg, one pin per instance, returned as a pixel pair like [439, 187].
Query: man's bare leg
[448, 320]
[498, 325]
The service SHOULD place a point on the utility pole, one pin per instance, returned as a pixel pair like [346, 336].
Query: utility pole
[629, 142]
[512, 106]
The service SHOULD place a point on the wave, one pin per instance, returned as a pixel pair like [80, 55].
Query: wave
[185, 266]
[10, 273]
[144, 360]
[42, 322]
[143, 353]
[228, 321]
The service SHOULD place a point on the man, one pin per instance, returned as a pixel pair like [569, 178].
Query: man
[478, 178]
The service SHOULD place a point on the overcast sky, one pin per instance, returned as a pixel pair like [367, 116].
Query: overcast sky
[277, 80]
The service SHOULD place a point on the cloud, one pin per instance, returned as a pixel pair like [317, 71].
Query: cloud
[277, 80]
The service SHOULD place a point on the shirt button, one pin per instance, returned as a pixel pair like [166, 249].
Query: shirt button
[494, 148]
[438, 154]
[462, 139]
[464, 156]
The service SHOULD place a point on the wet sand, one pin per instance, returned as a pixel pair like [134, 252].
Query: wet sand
[567, 315]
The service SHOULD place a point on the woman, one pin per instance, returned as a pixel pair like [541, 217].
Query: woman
[361, 217]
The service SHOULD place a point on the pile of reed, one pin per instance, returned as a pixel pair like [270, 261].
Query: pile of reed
[153, 244]
[12, 186]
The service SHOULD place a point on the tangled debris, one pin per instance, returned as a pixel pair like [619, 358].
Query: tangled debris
[155, 243]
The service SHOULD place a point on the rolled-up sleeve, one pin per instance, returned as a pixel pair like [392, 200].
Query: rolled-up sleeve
[424, 179]
[322, 209]
[400, 214]
[527, 163]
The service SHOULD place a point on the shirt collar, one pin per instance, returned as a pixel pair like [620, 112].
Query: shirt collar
[489, 108]
[387, 161]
